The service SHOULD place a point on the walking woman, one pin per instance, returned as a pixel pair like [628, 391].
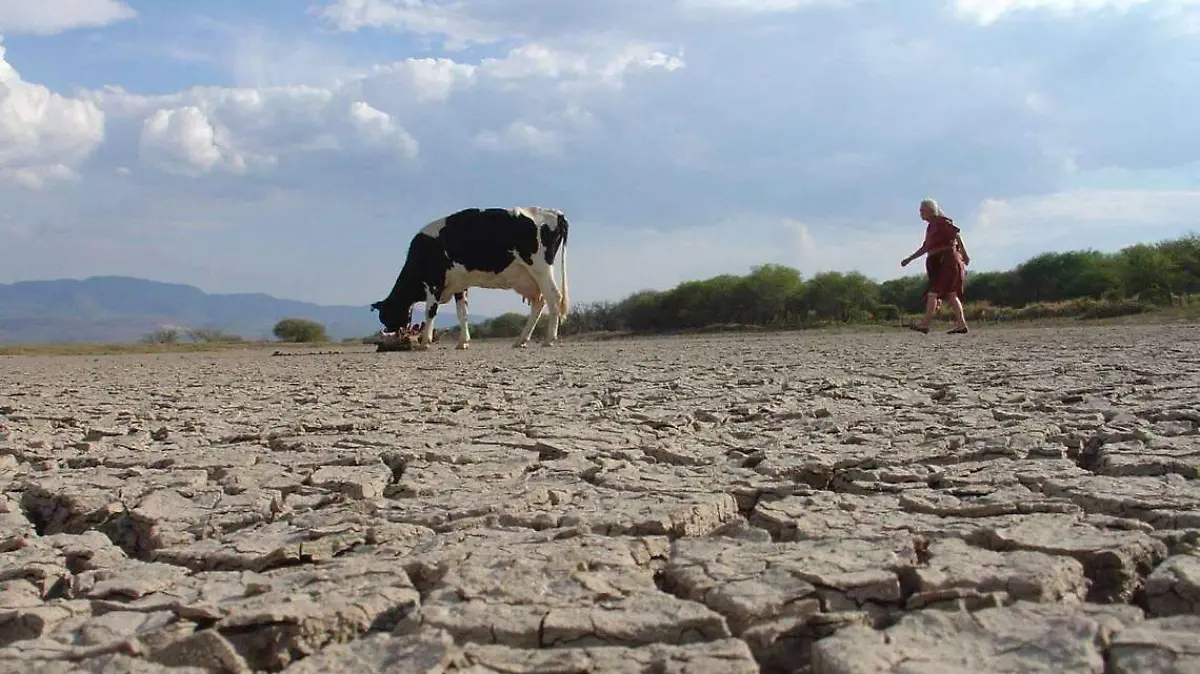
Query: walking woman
[945, 265]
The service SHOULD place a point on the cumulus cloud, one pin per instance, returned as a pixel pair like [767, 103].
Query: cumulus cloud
[242, 130]
[421, 80]
[43, 135]
[45, 17]
[374, 129]
[184, 140]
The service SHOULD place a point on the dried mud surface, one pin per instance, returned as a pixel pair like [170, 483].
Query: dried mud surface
[1012, 500]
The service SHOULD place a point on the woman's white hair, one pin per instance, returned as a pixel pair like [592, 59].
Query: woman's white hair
[932, 205]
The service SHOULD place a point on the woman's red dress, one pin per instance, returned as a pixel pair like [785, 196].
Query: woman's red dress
[945, 268]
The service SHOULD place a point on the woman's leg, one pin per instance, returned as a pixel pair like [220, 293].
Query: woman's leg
[931, 300]
[960, 320]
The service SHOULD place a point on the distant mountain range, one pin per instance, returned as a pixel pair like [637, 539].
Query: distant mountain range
[120, 309]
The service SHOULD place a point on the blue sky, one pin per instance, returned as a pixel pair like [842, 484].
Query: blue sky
[294, 147]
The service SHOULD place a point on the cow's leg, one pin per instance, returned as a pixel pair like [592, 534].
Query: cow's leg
[535, 312]
[550, 297]
[431, 309]
[460, 307]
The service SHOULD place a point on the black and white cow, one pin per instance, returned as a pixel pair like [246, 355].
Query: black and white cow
[509, 248]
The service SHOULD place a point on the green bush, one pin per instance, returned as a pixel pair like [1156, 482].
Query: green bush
[212, 336]
[300, 330]
[887, 312]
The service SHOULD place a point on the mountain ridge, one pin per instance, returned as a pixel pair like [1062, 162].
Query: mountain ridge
[121, 309]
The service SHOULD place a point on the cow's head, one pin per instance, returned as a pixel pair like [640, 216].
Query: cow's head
[394, 314]
[396, 310]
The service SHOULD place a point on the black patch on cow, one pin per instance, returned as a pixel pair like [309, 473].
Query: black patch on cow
[554, 239]
[482, 239]
[424, 266]
[547, 236]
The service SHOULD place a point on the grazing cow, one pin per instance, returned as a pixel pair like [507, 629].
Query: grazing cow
[509, 248]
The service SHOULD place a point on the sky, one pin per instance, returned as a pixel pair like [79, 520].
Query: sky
[294, 147]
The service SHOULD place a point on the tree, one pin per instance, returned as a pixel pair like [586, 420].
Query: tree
[907, 293]
[1150, 273]
[162, 336]
[300, 330]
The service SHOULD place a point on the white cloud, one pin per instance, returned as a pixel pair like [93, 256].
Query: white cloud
[240, 130]
[423, 17]
[520, 136]
[464, 23]
[35, 177]
[46, 17]
[1076, 218]
[375, 130]
[185, 141]
[986, 12]
[245, 129]
[43, 135]
[423, 80]
[573, 68]
[874, 249]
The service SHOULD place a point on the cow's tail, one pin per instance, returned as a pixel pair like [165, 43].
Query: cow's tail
[564, 303]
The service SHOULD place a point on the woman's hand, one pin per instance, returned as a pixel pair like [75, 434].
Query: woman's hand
[905, 261]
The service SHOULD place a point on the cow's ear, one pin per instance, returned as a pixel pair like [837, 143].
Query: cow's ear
[375, 305]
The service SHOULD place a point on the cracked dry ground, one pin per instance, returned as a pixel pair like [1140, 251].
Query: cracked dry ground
[1015, 501]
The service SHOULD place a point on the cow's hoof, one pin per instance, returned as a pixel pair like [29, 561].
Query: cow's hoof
[420, 346]
[520, 345]
[462, 346]
[549, 344]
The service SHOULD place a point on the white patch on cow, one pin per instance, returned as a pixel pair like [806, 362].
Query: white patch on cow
[464, 331]
[434, 228]
[517, 276]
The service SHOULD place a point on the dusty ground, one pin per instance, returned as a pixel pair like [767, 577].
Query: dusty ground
[1016, 501]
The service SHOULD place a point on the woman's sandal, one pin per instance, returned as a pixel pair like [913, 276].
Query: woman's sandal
[957, 331]
[917, 328]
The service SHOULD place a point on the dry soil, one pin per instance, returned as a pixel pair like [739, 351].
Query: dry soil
[1007, 501]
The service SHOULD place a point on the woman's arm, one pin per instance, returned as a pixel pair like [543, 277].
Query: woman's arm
[923, 250]
[963, 247]
[932, 237]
